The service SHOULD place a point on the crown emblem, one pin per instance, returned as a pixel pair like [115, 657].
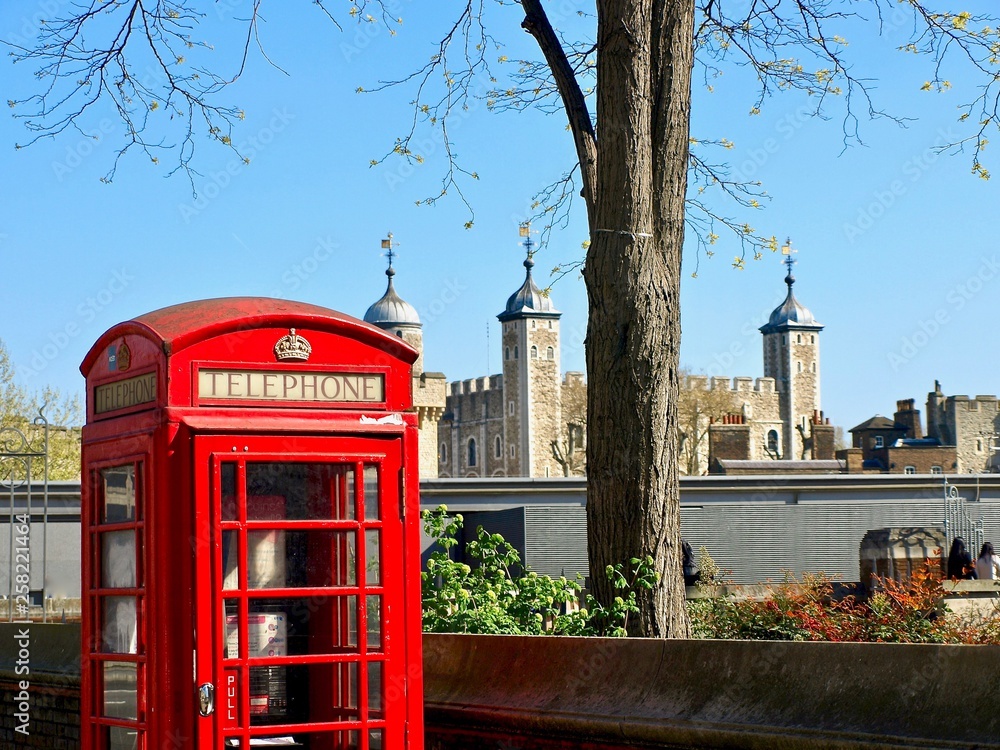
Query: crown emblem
[292, 347]
[124, 358]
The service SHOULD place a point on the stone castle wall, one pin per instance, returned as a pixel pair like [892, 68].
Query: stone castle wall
[544, 387]
[474, 410]
[974, 422]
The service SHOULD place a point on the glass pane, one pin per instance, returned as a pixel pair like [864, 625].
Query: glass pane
[292, 626]
[303, 740]
[375, 739]
[230, 560]
[371, 493]
[298, 492]
[228, 491]
[303, 693]
[119, 618]
[118, 559]
[350, 490]
[284, 558]
[230, 617]
[373, 566]
[375, 686]
[120, 738]
[119, 494]
[374, 605]
[119, 690]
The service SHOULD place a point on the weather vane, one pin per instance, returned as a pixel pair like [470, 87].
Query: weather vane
[387, 245]
[525, 231]
[787, 250]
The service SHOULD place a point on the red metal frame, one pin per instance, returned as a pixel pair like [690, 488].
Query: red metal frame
[178, 444]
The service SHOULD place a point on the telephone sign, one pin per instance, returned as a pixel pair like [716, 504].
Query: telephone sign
[250, 532]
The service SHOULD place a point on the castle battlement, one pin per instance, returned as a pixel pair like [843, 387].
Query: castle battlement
[475, 385]
[739, 384]
[980, 402]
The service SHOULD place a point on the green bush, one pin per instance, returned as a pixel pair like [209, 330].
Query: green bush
[500, 596]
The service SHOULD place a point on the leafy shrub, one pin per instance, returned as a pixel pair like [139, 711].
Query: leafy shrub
[500, 596]
[806, 610]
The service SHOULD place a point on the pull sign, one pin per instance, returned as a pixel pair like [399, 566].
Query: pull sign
[230, 706]
[206, 699]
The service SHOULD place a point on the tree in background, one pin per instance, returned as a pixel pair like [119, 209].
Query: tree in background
[570, 448]
[19, 410]
[697, 406]
[626, 91]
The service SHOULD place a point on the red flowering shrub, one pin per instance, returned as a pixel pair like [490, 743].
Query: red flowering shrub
[912, 611]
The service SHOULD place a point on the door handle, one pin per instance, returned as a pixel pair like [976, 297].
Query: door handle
[206, 699]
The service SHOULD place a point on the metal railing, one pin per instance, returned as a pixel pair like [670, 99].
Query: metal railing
[18, 464]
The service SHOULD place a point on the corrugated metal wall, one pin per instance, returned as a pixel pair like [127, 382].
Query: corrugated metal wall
[556, 540]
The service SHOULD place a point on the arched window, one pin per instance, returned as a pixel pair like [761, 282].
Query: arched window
[534, 352]
[497, 447]
[506, 352]
[799, 366]
[472, 451]
[443, 455]
[798, 340]
[532, 325]
[812, 339]
[772, 441]
[515, 352]
[814, 367]
[550, 353]
[550, 325]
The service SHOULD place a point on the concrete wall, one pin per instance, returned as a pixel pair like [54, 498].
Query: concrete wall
[546, 692]
[543, 692]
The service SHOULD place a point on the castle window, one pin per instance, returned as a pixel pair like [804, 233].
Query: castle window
[814, 367]
[512, 451]
[515, 352]
[399, 333]
[532, 325]
[812, 339]
[510, 408]
[799, 339]
[506, 352]
[772, 441]
[550, 353]
[550, 325]
[799, 366]
[979, 446]
[472, 451]
[879, 442]
[910, 470]
[443, 455]
[784, 340]
[936, 470]
[497, 447]
[534, 352]
[546, 471]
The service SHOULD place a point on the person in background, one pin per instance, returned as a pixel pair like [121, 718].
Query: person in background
[688, 564]
[960, 561]
[988, 564]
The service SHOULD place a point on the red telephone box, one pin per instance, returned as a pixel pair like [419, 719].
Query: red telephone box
[250, 532]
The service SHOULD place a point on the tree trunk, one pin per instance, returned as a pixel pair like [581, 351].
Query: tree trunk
[645, 52]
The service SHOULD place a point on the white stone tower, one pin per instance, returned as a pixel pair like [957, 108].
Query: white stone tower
[791, 357]
[393, 314]
[531, 385]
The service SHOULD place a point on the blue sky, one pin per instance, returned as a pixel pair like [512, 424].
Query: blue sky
[897, 251]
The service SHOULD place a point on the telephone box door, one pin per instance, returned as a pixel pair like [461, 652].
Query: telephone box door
[299, 603]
